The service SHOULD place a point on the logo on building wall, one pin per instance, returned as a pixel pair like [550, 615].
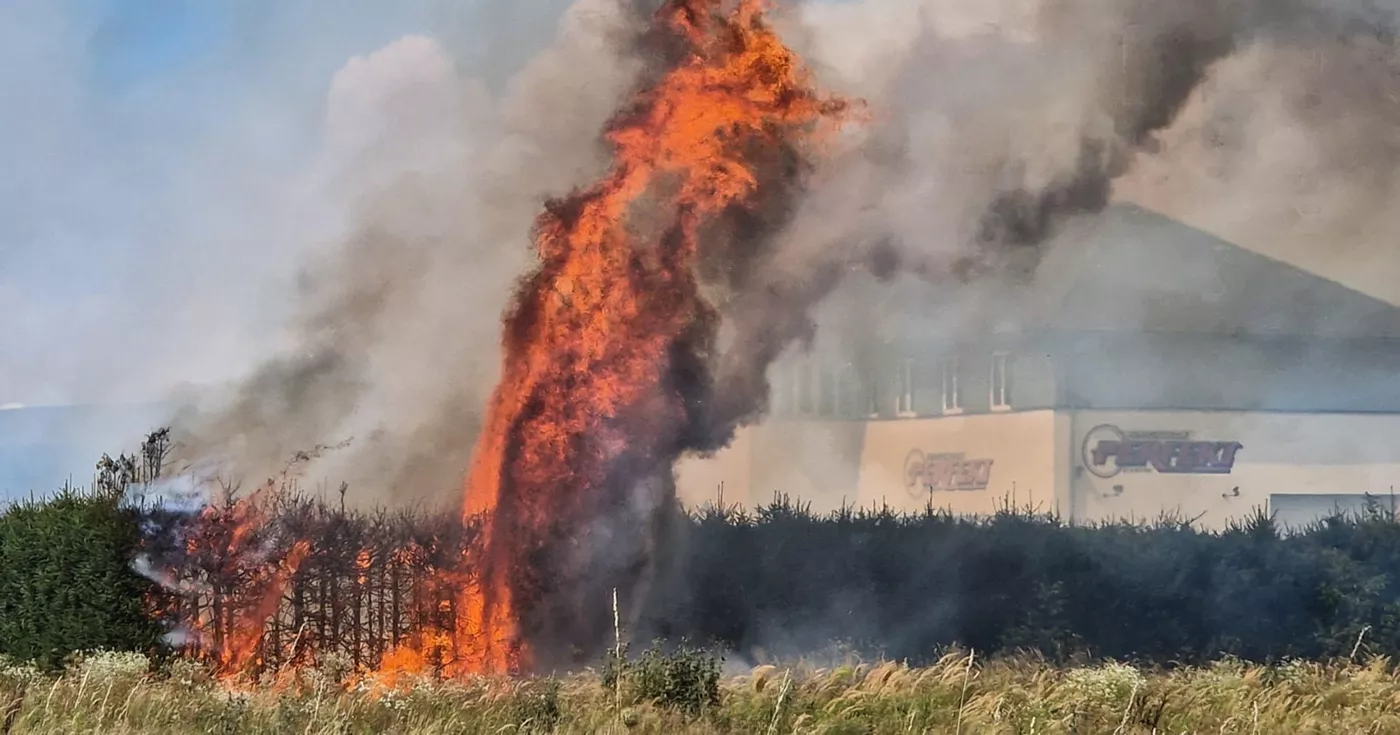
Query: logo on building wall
[945, 472]
[1109, 450]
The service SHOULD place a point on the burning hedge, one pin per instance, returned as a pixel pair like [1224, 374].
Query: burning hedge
[311, 581]
[608, 344]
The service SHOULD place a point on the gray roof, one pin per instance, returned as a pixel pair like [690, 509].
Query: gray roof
[1133, 270]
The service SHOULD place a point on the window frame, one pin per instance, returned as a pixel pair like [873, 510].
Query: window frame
[999, 391]
[904, 389]
[871, 398]
[848, 392]
[805, 404]
[951, 366]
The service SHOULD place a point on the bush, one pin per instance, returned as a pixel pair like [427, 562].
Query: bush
[779, 582]
[685, 680]
[536, 707]
[66, 583]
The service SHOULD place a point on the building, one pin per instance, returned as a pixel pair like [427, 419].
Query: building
[1148, 368]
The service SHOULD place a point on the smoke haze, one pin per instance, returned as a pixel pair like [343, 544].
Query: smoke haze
[169, 168]
[352, 287]
[992, 127]
[395, 339]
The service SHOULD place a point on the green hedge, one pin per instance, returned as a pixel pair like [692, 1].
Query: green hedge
[784, 581]
[66, 582]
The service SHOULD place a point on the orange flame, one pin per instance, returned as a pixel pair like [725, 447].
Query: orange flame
[589, 344]
[602, 346]
[232, 638]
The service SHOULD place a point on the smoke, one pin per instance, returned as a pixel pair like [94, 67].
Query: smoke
[394, 344]
[1290, 149]
[991, 124]
[989, 134]
[994, 127]
[153, 190]
[169, 167]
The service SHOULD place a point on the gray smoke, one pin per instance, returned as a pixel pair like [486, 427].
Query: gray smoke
[1291, 149]
[992, 124]
[394, 348]
[984, 144]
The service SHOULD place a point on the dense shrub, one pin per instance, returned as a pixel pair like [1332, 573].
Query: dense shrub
[780, 579]
[775, 582]
[66, 582]
[684, 679]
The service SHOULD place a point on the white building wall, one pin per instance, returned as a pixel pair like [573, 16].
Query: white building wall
[1215, 466]
[815, 462]
[1183, 461]
[968, 464]
[700, 480]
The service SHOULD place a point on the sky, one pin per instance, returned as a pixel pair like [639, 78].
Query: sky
[163, 176]
[158, 173]
[109, 104]
[166, 168]
[161, 171]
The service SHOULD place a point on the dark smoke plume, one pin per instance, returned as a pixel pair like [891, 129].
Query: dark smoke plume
[978, 147]
[959, 180]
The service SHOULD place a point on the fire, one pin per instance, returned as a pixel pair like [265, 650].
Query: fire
[227, 540]
[609, 332]
[607, 348]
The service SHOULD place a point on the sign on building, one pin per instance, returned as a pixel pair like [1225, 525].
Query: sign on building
[1108, 450]
[949, 472]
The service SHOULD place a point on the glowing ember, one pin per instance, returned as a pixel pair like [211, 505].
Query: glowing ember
[606, 344]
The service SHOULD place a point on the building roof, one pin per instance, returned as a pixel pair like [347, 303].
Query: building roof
[1133, 270]
[1136, 270]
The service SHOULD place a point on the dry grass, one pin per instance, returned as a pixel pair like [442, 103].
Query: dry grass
[112, 693]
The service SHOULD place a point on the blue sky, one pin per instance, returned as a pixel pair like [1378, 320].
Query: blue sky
[162, 177]
[151, 217]
[138, 42]
[150, 155]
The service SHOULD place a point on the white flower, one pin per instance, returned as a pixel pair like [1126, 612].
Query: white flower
[187, 673]
[113, 665]
[1106, 686]
[14, 674]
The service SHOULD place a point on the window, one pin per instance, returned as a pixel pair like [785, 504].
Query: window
[1001, 381]
[804, 391]
[1295, 512]
[815, 391]
[904, 389]
[848, 393]
[873, 391]
[952, 389]
[826, 398]
[781, 388]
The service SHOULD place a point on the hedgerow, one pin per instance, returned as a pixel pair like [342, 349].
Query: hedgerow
[909, 586]
[66, 582]
[776, 582]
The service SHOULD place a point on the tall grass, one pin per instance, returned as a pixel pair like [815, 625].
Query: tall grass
[119, 693]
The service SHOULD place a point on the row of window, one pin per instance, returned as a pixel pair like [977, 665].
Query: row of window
[814, 391]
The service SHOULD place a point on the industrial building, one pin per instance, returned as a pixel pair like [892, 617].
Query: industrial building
[1147, 368]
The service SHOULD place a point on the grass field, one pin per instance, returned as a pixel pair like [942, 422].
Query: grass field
[115, 693]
